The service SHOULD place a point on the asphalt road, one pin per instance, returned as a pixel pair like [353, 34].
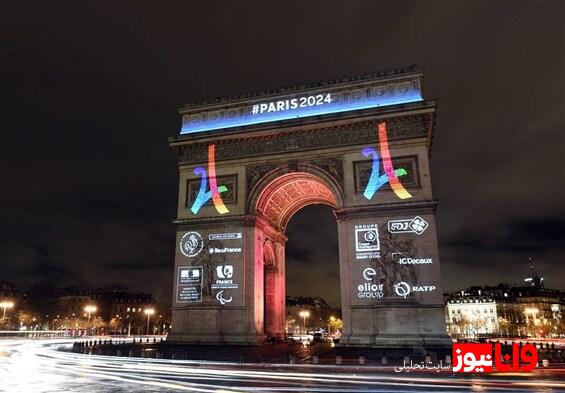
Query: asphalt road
[44, 366]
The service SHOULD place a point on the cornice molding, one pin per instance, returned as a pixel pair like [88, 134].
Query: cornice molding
[299, 140]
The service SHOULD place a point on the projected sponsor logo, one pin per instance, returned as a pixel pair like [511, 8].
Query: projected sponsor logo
[224, 250]
[369, 290]
[301, 106]
[367, 241]
[191, 244]
[224, 278]
[376, 180]
[189, 284]
[190, 275]
[402, 259]
[225, 236]
[415, 225]
[479, 358]
[403, 289]
[369, 273]
[222, 299]
[203, 195]
[225, 271]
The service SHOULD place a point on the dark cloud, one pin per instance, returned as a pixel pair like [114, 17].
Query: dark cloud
[89, 93]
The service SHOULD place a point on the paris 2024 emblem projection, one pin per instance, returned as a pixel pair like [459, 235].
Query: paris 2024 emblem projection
[376, 181]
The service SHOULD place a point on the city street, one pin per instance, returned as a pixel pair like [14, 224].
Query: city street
[43, 366]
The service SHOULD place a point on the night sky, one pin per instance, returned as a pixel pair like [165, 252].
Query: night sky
[89, 93]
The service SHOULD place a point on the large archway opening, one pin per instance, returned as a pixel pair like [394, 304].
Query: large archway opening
[312, 272]
[276, 204]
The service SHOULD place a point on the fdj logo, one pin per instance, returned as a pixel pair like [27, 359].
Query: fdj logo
[215, 191]
[391, 175]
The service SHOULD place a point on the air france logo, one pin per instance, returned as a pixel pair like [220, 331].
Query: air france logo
[191, 244]
[415, 225]
[391, 175]
[214, 193]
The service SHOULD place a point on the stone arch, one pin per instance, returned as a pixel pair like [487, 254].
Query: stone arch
[281, 193]
[273, 203]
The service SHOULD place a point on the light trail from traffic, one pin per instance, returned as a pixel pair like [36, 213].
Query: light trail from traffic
[47, 365]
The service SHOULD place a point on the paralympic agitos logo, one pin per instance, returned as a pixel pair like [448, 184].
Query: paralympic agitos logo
[376, 181]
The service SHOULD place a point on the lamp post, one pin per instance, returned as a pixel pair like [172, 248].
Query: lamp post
[148, 312]
[533, 312]
[304, 314]
[89, 309]
[5, 305]
[332, 318]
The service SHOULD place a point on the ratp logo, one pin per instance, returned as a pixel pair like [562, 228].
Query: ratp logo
[402, 289]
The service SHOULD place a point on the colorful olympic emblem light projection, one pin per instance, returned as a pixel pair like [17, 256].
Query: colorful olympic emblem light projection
[391, 175]
[214, 193]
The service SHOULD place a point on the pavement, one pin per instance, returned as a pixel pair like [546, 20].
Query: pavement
[48, 366]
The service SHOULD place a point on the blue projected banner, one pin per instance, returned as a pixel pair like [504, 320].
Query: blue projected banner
[300, 106]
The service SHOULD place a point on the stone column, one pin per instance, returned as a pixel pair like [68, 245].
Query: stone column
[390, 277]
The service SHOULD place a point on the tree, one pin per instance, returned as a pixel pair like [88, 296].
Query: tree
[27, 318]
[336, 324]
[116, 325]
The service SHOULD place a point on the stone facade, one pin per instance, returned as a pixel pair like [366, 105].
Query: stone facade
[389, 299]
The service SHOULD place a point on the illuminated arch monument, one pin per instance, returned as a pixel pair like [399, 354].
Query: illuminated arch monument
[248, 164]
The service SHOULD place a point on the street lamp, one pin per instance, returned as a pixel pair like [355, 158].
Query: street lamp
[148, 312]
[5, 305]
[332, 318]
[89, 309]
[304, 314]
[533, 312]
